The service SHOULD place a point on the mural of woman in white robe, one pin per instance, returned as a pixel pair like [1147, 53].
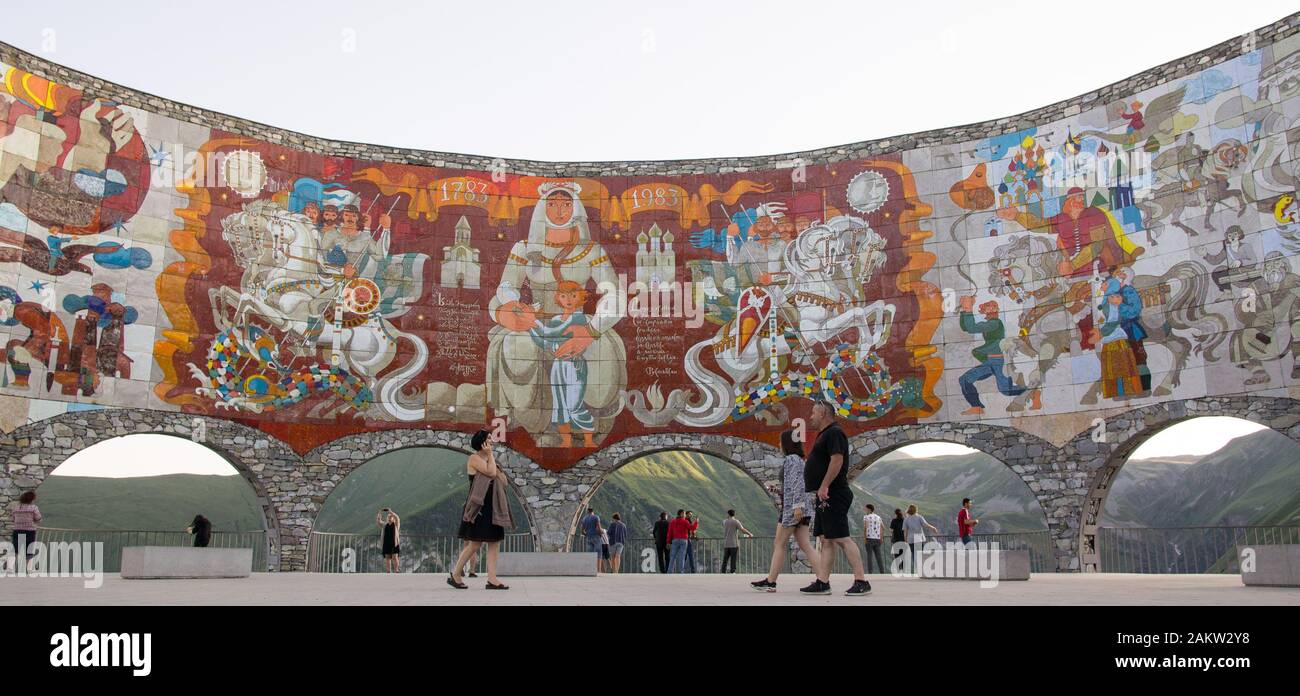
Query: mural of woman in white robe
[520, 377]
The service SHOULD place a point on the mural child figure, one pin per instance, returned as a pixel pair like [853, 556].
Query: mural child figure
[569, 368]
[990, 356]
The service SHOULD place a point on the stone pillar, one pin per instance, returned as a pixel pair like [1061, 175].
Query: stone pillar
[554, 500]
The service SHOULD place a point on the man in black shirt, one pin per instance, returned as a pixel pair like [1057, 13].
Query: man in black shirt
[827, 472]
[661, 542]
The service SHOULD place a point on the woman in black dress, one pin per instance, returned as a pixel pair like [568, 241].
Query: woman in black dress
[896, 535]
[201, 528]
[390, 539]
[484, 527]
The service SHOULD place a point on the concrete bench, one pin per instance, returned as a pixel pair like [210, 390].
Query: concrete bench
[150, 562]
[1274, 565]
[967, 564]
[524, 564]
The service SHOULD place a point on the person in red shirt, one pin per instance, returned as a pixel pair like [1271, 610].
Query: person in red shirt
[965, 523]
[679, 536]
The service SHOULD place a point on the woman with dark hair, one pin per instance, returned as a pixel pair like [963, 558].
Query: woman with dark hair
[486, 515]
[390, 539]
[797, 509]
[896, 534]
[201, 528]
[25, 516]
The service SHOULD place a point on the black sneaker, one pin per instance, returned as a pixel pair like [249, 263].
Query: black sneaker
[860, 587]
[763, 585]
[817, 587]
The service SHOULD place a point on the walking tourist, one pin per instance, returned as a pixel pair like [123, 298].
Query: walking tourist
[731, 531]
[914, 526]
[661, 541]
[679, 533]
[897, 535]
[591, 532]
[604, 550]
[486, 515]
[873, 529]
[24, 518]
[796, 514]
[617, 533]
[966, 523]
[389, 539]
[201, 528]
[690, 539]
[826, 472]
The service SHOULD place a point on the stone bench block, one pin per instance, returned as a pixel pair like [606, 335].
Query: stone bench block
[152, 562]
[537, 563]
[965, 564]
[1275, 565]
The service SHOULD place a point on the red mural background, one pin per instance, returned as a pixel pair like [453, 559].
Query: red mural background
[426, 206]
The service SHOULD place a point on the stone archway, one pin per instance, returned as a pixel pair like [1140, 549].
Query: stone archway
[31, 452]
[760, 461]
[1033, 460]
[343, 455]
[1104, 449]
[331, 462]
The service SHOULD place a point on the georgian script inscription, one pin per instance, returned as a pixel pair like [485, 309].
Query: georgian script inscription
[453, 346]
[659, 344]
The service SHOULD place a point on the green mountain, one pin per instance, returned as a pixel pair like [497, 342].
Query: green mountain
[671, 480]
[668, 481]
[426, 486]
[1252, 480]
[155, 503]
[1001, 501]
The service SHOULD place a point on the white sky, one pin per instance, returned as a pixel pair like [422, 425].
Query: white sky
[568, 80]
[144, 455]
[607, 80]
[1199, 437]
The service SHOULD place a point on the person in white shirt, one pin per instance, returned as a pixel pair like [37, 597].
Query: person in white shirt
[873, 529]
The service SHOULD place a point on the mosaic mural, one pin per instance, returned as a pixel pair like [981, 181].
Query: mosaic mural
[1128, 254]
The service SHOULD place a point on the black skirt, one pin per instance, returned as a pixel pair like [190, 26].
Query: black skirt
[482, 529]
[391, 547]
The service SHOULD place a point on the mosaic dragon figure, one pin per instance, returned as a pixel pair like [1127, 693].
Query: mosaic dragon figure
[244, 372]
[826, 383]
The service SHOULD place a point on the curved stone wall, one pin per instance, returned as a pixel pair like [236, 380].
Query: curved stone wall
[1020, 282]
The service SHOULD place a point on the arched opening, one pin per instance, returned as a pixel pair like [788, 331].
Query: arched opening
[935, 476]
[1187, 494]
[671, 479]
[145, 490]
[426, 487]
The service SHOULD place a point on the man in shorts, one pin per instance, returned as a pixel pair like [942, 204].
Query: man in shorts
[827, 472]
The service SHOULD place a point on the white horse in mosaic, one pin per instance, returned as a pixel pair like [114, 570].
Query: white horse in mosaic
[819, 302]
[281, 284]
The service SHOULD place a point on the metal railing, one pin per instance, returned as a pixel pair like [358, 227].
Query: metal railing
[329, 552]
[1183, 549]
[115, 539]
[754, 555]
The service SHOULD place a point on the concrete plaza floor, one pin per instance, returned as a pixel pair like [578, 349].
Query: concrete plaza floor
[425, 589]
